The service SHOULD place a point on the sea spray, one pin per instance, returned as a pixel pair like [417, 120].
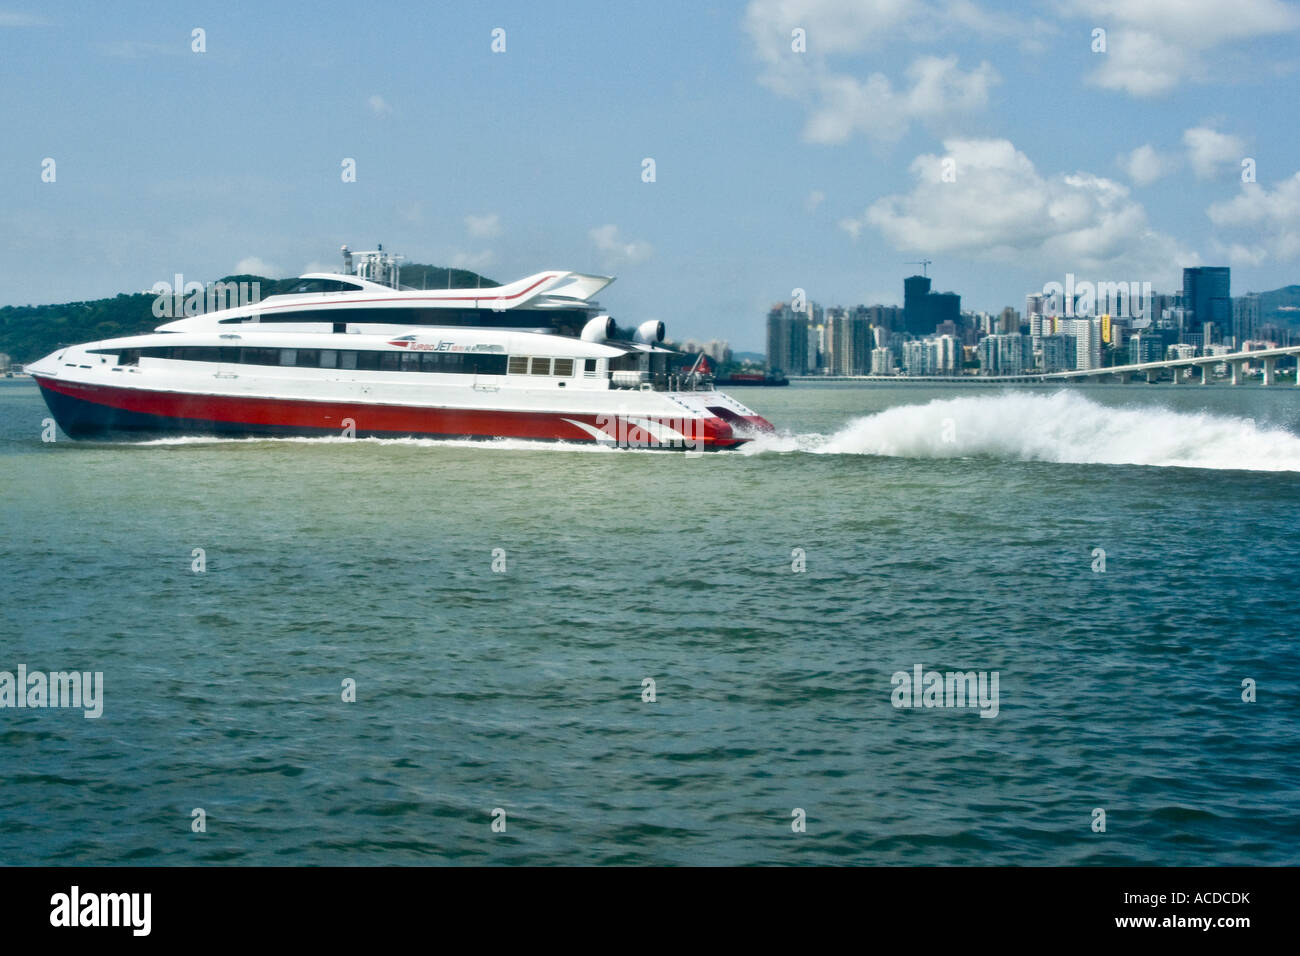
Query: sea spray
[1064, 427]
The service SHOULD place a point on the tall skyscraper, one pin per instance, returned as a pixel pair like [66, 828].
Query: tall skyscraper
[1245, 318]
[916, 313]
[944, 307]
[1206, 299]
[787, 340]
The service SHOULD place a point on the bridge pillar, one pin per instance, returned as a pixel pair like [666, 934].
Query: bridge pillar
[1177, 375]
[1238, 372]
[1207, 373]
[1268, 370]
[1153, 376]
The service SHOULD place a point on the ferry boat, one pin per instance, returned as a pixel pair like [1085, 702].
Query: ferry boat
[356, 354]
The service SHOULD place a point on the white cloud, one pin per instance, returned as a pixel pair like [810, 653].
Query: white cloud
[484, 227]
[1000, 208]
[1154, 45]
[253, 265]
[839, 104]
[1273, 218]
[815, 199]
[378, 105]
[1210, 152]
[1146, 164]
[615, 250]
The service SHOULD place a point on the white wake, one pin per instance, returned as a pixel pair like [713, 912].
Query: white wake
[1064, 428]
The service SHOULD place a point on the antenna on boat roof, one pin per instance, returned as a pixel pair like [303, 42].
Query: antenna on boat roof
[374, 266]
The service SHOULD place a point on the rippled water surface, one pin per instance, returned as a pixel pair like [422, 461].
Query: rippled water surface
[955, 529]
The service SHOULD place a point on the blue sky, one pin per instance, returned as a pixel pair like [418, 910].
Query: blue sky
[775, 169]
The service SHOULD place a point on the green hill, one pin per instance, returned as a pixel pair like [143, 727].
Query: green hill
[1281, 307]
[32, 331]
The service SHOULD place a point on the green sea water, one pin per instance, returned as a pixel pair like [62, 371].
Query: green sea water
[501, 606]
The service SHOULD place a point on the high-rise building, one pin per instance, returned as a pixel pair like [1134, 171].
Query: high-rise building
[848, 342]
[947, 354]
[944, 307]
[889, 317]
[1206, 299]
[1006, 354]
[882, 361]
[1033, 304]
[916, 313]
[1059, 353]
[916, 358]
[1086, 334]
[924, 311]
[1245, 318]
[1145, 348]
[787, 340]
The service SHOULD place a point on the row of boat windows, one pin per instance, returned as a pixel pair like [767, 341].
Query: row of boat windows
[562, 319]
[469, 363]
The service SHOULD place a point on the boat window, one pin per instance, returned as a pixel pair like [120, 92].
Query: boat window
[319, 285]
[447, 363]
[259, 356]
[564, 321]
[627, 362]
[541, 366]
[486, 364]
[564, 367]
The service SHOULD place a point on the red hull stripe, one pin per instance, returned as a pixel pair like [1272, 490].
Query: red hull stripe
[328, 416]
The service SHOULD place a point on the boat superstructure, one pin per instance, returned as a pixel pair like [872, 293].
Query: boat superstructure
[353, 353]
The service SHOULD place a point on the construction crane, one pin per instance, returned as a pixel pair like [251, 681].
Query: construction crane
[923, 263]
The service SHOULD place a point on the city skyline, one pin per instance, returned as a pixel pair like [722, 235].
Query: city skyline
[808, 145]
[1065, 327]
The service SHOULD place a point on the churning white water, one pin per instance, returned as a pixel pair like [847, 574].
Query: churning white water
[1064, 427]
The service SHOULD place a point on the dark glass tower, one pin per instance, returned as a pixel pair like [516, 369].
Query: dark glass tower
[917, 319]
[1206, 298]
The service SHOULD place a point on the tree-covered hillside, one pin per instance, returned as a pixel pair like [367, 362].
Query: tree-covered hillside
[30, 332]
